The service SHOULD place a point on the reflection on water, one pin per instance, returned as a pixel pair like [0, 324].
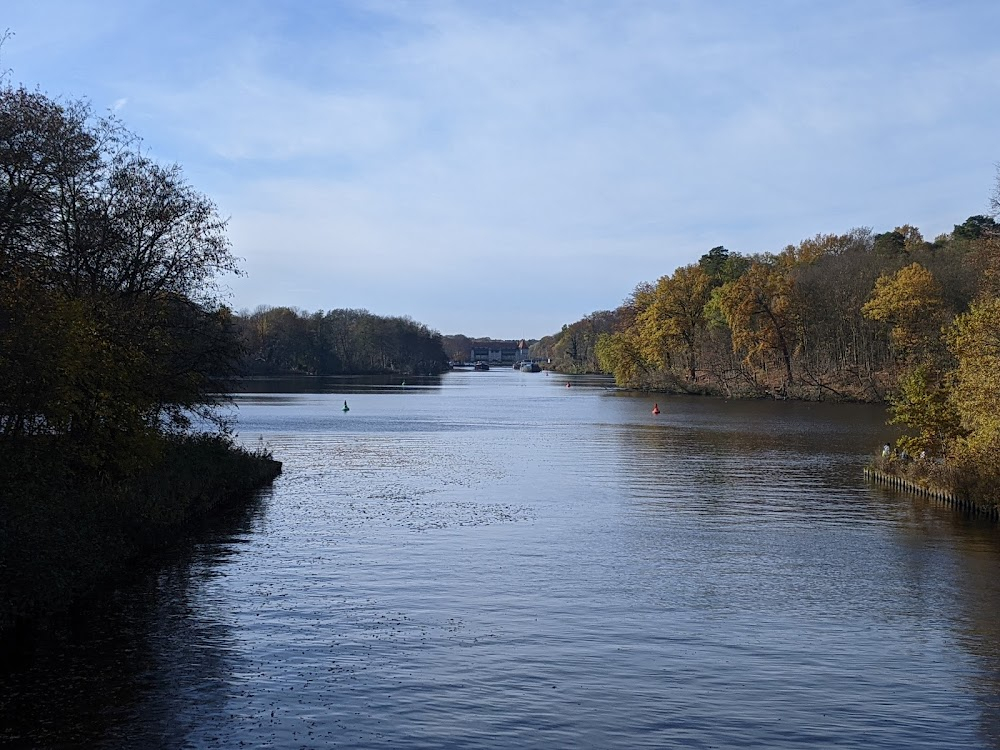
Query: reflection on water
[496, 560]
[125, 667]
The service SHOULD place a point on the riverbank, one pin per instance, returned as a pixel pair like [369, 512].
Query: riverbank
[739, 384]
[920, 480]
[65, 531]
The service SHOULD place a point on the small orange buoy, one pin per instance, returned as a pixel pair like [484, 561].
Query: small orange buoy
[656, 408]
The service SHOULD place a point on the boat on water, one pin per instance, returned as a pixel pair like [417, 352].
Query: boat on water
[480, 366]
[529, 366]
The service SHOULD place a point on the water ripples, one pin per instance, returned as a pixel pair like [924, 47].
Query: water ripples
[494, 560]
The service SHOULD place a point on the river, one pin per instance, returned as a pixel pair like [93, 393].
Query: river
[497, 560]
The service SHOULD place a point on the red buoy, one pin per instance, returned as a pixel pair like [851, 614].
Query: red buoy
[656, 408]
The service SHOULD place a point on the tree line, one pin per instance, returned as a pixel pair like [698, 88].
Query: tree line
[881, 317]
[283, 340]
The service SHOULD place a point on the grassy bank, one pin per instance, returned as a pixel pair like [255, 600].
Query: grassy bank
[65, 528]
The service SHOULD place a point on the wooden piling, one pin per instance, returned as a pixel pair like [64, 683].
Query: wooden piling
[937, 493]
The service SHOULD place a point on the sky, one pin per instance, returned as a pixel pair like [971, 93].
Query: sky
[502, 169]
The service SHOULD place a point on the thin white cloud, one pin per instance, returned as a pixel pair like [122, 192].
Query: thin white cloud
[392, 152]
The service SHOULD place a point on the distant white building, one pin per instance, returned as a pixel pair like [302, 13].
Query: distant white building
[499, 352]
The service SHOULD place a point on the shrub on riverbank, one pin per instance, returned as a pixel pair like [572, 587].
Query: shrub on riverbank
[65, 528]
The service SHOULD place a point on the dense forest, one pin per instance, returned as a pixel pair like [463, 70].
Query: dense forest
[112, 337]
[887, 317]
[283, 341]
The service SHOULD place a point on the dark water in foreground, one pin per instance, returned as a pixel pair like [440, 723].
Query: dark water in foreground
[493, 560]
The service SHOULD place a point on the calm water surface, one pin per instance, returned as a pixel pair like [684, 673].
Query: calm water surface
[494, 560]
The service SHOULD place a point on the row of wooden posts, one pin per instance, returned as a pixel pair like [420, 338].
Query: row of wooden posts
[944, 496]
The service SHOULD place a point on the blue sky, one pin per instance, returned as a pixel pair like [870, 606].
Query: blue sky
[501, 169]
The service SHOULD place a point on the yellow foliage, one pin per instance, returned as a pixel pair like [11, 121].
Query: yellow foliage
[912, 237]
[910, 301]
[620, 354]
[810, 250]
[760, 311]
[675, 317]
[974, 339]
[924, 405]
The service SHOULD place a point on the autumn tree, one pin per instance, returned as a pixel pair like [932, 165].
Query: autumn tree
[620, 352]
[974, 339]
[913, 240]
[850, 316]
[984, 247]
[759, 309]
[923, 403]
[840, 351]
[574, 348]
[675, 318]
[910, 302]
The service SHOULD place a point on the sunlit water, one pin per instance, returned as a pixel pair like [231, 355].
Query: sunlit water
[496, 560]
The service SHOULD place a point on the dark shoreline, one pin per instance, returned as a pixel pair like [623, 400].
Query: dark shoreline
[63, 537]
